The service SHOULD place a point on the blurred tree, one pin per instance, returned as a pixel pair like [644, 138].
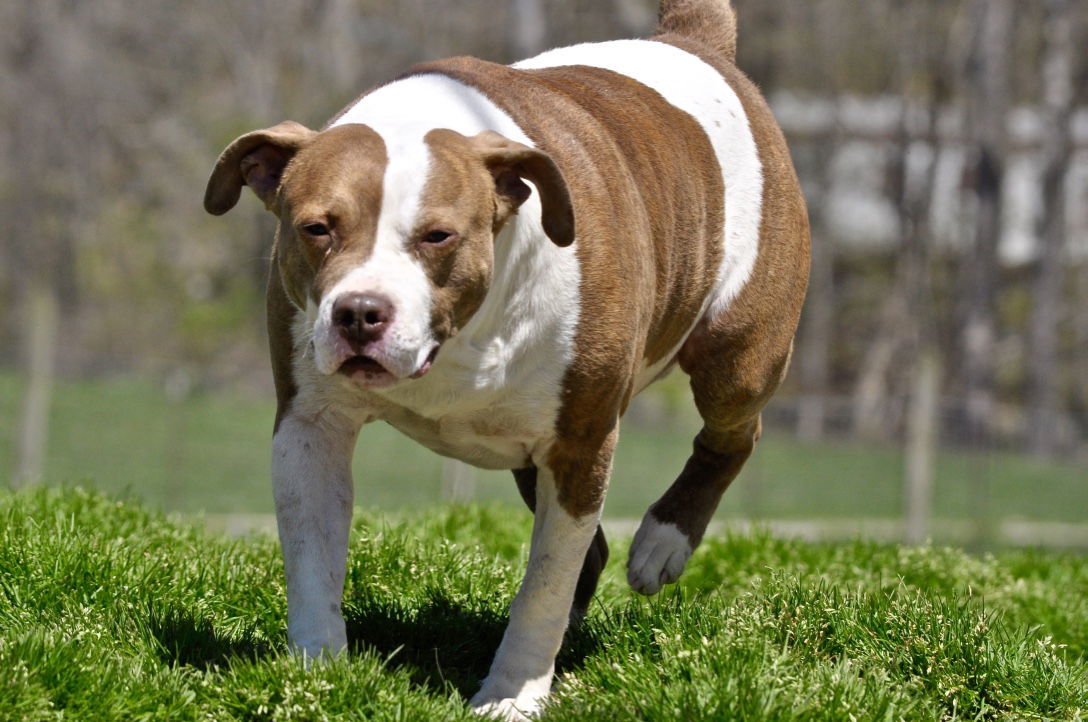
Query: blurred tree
[528, 32]
[986, 89]
[47, 208]
[817, 330]
[636, 17]
[905, 318]
[1044, 377]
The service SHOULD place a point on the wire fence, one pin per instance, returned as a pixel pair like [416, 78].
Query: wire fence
[917, 478]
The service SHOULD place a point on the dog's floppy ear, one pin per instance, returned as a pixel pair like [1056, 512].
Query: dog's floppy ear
[509, 163]
[257, 160]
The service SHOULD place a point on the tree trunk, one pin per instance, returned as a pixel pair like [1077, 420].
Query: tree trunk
[818, 319]
[871, 394]
[987, 79]
[636, 18]
[40, 334]
[1043, 373]
[814, 347]
[904, 322]
[528, 32]
[1080, 362]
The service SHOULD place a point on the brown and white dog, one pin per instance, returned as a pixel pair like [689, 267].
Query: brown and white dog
[495, 260]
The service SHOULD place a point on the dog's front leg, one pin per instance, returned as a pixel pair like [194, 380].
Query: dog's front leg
[568, 507]
[311, 476]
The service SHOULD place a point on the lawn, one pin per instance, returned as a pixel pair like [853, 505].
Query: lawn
[109, 611]
[210, 452]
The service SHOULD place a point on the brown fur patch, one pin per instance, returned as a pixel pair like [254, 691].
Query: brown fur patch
[336, 180]
[280, 317]
[458, 197]
[647, 197]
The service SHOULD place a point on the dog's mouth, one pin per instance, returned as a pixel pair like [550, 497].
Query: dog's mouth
[363, 366]
[368, 371]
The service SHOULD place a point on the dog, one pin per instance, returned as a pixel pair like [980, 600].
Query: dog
[494, 260]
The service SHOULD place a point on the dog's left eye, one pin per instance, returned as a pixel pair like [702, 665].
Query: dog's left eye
[437, 237]
[316, 229]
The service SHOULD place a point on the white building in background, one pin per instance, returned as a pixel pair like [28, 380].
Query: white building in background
[857, 207]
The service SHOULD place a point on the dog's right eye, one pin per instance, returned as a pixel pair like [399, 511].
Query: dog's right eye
[316, 229]
[437, 237]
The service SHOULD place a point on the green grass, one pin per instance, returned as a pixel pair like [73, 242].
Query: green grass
[111, 612]
[211, 453]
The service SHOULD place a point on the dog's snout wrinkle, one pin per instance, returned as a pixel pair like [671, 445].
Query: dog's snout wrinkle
[362, 317]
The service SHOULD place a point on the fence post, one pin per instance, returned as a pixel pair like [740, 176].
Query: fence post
[42, 320]
[178, 390]
[458, 481]
[921, 446]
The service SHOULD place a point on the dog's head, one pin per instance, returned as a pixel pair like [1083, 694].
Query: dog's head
[388, 247]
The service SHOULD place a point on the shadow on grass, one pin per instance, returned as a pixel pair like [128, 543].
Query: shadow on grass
[442, 642]
[439, 642]
[188, 640]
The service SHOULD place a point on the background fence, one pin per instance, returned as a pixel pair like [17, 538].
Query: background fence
[942, 145]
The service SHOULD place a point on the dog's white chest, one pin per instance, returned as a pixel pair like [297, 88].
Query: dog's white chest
[486, 406]
[491, 405]
[486, 440]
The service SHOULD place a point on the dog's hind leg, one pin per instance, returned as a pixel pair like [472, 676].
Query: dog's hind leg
[730, 382]
[674, 525]
[596, 557]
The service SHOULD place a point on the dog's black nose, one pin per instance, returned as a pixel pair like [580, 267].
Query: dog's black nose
[362, 317]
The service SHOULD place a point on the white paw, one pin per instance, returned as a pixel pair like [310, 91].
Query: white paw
[316, 653]
[658, 555]
[318, 641]
[500, 698]
[507, 710]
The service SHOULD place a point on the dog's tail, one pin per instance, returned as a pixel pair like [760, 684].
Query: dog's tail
[710, 22]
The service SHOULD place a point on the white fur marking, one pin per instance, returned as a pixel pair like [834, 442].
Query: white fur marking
[691, 85]
[408, 109]
[390, 271]
[311, 477]
[521, 675]
[658, 555]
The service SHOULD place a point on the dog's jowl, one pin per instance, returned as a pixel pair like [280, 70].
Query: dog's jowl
[495, 259]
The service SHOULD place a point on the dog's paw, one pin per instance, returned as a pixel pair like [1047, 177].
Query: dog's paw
[319, 652]
[506, 710]
[500, 698]
[318, 642]
[658, 555]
